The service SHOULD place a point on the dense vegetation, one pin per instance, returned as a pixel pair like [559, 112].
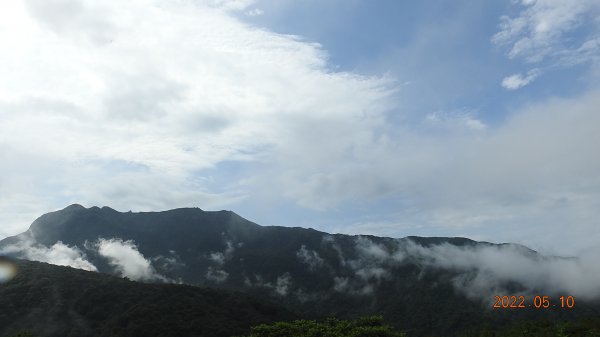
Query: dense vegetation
[363, 327]
[587, 327]
[46, 300]
[374, 327]
[57, 301]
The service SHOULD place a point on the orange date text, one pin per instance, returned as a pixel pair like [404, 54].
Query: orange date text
[536, 302]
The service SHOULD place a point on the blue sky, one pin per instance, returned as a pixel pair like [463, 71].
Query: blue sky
[395, 118]
[444, 49]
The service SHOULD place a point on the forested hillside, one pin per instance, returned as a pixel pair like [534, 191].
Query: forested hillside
[48, 300]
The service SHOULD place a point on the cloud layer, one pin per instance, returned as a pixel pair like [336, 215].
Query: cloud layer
[480, 272]
[486, 271]
[149, 105]
[132, 111]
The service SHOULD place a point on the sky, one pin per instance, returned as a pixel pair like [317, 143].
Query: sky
[394, 118]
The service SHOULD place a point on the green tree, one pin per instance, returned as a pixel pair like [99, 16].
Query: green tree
[372, 326]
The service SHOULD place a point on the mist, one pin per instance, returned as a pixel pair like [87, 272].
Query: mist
[485, 270]
[127, 260]
[58, 254]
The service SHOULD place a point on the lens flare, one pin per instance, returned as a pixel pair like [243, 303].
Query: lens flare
[7, 271]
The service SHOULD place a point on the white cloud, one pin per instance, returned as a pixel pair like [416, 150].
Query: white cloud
[18, 209]
[217, 258]
[255, 12]
[341, 284]
[485, 271]
[482, 270]
[533, 169]
[135, 116]
[369, 250]
[167, 263]
[370, 267]
[220, 258]
[58, 254]
[539, 30]
[235, 5]
[283, 284]
[456, 121]
[216, 275]
[309, 257]
[127, 260]
[517, 81]
[552, 34]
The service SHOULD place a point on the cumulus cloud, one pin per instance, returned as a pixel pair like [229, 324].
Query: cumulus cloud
[517, 81]
[127, 260]
[58, 254]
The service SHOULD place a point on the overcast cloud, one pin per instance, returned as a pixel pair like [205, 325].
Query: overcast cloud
[150, 105]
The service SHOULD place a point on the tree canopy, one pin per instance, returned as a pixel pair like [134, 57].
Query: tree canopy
[372, 326]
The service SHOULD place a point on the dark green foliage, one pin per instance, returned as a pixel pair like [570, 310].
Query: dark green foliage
[59, 301]
[364, 327]
[588, 327]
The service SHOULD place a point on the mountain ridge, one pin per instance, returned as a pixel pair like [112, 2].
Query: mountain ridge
[420, 284]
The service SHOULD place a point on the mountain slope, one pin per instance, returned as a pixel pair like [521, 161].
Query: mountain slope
[420, 285]
[50, 300]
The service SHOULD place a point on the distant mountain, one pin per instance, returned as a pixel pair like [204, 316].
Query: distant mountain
[48, 300]
[420, 285]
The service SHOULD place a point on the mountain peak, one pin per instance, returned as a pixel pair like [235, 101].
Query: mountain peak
[74, 207]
